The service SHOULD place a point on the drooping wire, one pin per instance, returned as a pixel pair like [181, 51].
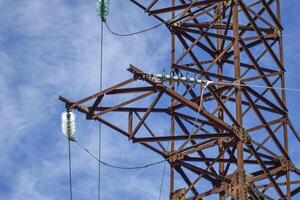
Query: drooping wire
[70, 171]
[150, 28]
[162, 181]
[163, 177]
[116, 166]
[134, 33]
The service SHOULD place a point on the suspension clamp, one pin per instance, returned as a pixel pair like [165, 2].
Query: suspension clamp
[242, 134]
[278, 32]
[286, 164]
[179, 194]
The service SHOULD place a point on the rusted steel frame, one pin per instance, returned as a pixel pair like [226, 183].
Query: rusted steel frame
[260, 154]
[265, 149]
[200, 171]
[195, 144]
[283, 95]
[222, 105]
[265, 140]
[101, 93]
[126, 134]
[260, 17]
[144, 8]
[265, 100]
[198, 127]
[254, 78]
[131, 90]
[124, 103]
[260, 175]
[131, 109]
[273, 55]
[253, 191]
[188, 49]
[272, 15]
[248, 66]
[186, 179]
[95, 105]
[219, 57]
[185, 116]
[195, 58]
[227, 27]
[267, 127]
[270, 185]
[198, 148]
[231, 156]
[270, 123]
[150, 131]
[216, 58]
[253, 44]
[204, 72]
[295, 191]
[205, 96]
[199, 44]
[238, 96]
[192, 15]
[112, 126]
[270, 36]
[266, 80]
[208, 40]
[194, 64]
[182, 137]
[266, 170]
[216, 190]
[223, 27]
[198, 159]
[246, 103]
[194, 106]
[256, 16]
[262, 94]
[280, 183]
[220, 46]
[147, 113]
[296, 134]
[184, 6]
[183, 29]
[151, 5]
[203, 172]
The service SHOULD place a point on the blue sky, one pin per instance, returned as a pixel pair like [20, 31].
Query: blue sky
[51, 48]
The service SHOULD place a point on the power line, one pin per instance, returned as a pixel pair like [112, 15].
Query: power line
[100, 124]
[257, 86]
[150, 28]
[134, 33]
[116, 166]
[70, 170]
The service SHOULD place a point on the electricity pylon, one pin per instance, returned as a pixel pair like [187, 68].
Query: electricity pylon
[226, 122]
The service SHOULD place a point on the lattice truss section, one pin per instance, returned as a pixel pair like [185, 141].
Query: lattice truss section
[224, 140]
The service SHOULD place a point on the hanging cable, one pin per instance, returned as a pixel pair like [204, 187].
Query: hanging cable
[162, 181]
[116, 166]
[150, 28]
[134, 33]
[70, 170]
[102, 11]
[100, 124]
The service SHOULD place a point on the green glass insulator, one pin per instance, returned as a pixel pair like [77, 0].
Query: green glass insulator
[102, 8]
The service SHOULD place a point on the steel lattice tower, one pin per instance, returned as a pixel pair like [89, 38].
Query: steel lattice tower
[232, 140]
